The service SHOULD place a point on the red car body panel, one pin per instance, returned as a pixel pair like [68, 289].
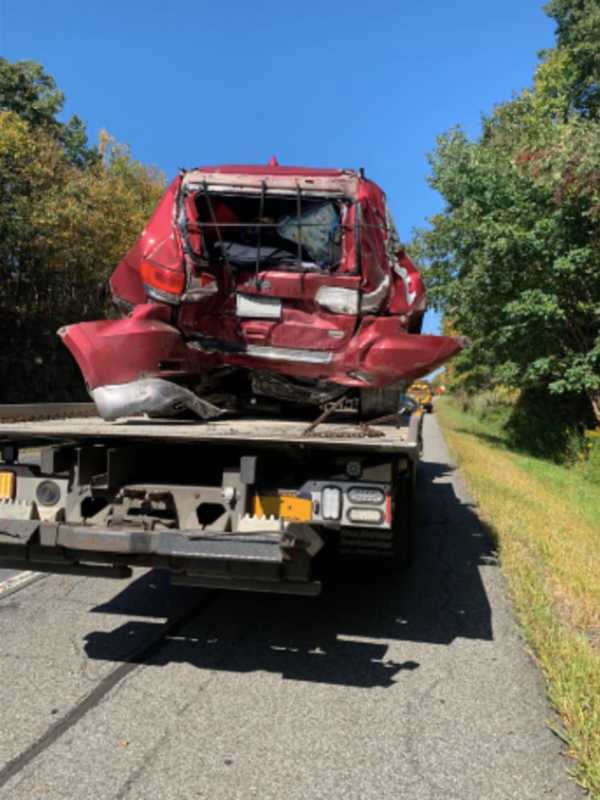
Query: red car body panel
[144, 345]
[158, 243]
[352, 322]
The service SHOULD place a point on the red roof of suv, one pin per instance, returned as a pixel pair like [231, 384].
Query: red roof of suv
[274, 169]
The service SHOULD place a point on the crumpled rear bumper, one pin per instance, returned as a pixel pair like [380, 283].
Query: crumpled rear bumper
[119, 351]
[408, 356]
[139, 364]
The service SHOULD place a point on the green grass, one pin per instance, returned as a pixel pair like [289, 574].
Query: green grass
[579, 483]
[546, 520]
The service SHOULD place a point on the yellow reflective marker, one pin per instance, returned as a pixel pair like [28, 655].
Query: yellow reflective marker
[8, 484]
[283, 506]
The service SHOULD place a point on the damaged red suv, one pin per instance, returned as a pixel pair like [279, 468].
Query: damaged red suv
[255, 284]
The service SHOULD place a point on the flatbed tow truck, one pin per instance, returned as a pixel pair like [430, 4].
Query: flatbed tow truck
[240, 503]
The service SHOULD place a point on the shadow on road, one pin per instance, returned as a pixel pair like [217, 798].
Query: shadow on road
[341, 637]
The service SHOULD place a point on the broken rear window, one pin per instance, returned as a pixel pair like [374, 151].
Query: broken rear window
[276, 231]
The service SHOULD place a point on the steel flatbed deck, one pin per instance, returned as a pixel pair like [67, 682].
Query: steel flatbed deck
[54, 422]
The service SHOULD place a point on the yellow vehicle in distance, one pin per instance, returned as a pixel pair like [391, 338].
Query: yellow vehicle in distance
[420, 392]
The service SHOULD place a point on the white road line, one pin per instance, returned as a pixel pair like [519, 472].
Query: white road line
[17, 581]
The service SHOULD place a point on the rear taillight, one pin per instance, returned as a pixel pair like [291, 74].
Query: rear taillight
[338, 300]
[162, 283]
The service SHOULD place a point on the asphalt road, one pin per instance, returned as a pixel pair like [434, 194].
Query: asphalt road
[415, 686]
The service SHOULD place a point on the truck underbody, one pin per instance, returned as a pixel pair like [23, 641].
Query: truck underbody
[251, 503]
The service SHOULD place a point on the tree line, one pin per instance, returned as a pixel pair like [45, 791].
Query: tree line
[513, 260]
[68, 213]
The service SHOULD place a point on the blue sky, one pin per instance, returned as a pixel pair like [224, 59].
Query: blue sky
[318, 83]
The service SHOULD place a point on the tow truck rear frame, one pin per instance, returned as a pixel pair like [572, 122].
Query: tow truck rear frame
[249, 504]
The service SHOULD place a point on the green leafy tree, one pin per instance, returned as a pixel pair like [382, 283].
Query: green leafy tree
[64, 225]
[514, 258]
[28, 91]
[578, 39]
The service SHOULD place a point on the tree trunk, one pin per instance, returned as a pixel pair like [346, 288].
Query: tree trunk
[595, 401]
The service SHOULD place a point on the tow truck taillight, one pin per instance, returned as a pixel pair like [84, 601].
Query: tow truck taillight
[371, 516]
[162, 283]
[388, 509]
[331, 503]
[369, 496]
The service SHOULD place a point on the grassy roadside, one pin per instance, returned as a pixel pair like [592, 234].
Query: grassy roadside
[546, 518]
